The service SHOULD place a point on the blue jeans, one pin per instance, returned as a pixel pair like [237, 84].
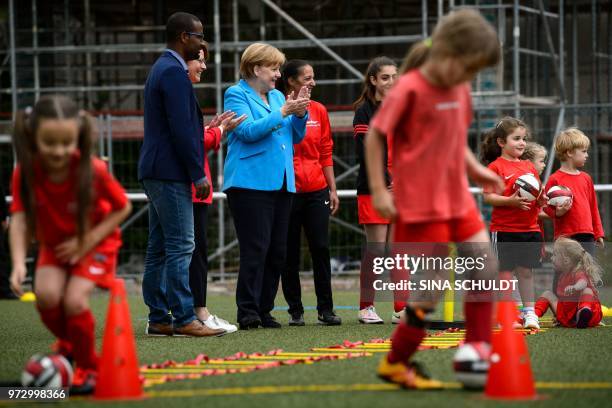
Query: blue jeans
[165, 285]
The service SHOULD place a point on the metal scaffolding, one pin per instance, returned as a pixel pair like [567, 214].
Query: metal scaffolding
[535, 75]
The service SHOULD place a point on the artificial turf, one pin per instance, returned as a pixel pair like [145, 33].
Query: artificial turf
[557, 355]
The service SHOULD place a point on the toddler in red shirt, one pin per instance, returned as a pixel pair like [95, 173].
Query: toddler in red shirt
[515, 231]
[575, 302]
[72, 205]
[426, 116]
[579, 218]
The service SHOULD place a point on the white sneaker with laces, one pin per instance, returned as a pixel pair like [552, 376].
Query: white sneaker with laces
[224, 324]
[396, 317]
[369, 316]
[531, 321]
[212, 324]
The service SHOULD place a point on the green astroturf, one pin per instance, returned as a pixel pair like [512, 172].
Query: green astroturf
[558, 355]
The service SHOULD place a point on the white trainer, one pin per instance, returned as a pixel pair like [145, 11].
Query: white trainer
[396, 317]
[531, 321]
[212, 324]
[369, 316]
[224, 324]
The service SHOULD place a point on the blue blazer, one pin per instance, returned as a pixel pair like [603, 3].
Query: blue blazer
[260, 149]
[172, 149]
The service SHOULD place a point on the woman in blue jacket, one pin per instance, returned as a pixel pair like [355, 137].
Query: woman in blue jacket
[259, 179]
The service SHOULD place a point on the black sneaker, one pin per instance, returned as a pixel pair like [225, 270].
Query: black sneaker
[329, 319]
[297, 320]
[84, 382]
[269, 322]
[583, 317]
[249, 323]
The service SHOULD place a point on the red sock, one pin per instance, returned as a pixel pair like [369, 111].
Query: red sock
[81, 334]
[586, 300]
[405, 342]
[541, 306]
[366, 282]
[400, 296]
[478, 317]
[55, 320]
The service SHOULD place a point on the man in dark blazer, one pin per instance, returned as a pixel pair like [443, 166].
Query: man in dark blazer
[171, 160]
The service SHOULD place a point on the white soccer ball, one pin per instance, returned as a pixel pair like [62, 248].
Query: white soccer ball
[47, 371]
[559, 195]
[471, 364]
[528, 186]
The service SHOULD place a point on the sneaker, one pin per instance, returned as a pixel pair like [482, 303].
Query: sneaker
[329, 319]
[213, 324]
[159, 329]
[412, 375]
[269, 322]
[297, 320]
[196, 328]
[369, 316]
[396, 317]
[224, 324]
[531, 321]
[583, 317]
[249, 323]
[83, 382]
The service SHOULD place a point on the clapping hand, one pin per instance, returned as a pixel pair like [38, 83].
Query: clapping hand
[219, 118]
[230, 123]
[297, 105]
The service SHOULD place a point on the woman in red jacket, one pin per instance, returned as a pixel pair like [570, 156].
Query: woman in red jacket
[198, 268]
[315, 199]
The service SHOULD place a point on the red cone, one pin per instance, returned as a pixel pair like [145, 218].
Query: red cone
[510, 375]
[118, 375]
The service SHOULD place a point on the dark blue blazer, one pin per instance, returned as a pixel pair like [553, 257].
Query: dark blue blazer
[172, 149]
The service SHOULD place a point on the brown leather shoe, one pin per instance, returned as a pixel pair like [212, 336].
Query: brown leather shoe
[158, 329]
[197, 329]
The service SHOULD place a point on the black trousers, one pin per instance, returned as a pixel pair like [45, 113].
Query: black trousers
[311, 212]
[261, 219]
[198, 268]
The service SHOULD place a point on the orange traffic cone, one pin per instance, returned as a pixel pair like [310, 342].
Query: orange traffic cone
[510, 375]
[118, 376]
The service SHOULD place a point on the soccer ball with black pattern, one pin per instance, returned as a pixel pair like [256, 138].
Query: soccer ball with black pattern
[47, 371]
[471, 364]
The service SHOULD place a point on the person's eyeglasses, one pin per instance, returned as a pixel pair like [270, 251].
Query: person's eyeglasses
[199, 35]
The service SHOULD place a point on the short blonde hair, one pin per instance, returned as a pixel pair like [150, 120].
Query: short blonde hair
[568, 140]
[532, 149]
[259, 54]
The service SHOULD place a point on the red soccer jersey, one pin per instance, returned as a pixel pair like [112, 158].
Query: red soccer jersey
[583, 217]
[570, 278]
[314, 152]
[212, 140]
[427, 126]
[55, 204]
[513, 219]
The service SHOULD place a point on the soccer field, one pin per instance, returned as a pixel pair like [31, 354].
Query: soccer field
[571, 367]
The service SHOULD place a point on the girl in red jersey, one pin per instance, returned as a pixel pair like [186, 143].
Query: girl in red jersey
[579, 219]
[427, 115]
[378, 80]
[315, 199]
[66, 199]
[575, 302]
[515, 231]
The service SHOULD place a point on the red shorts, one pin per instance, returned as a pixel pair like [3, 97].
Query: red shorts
[566, 313]
[97, 266]
[367, 213]
[453, 230]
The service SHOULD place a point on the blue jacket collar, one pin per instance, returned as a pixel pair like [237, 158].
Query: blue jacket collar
[254, 95]
[178, 58]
